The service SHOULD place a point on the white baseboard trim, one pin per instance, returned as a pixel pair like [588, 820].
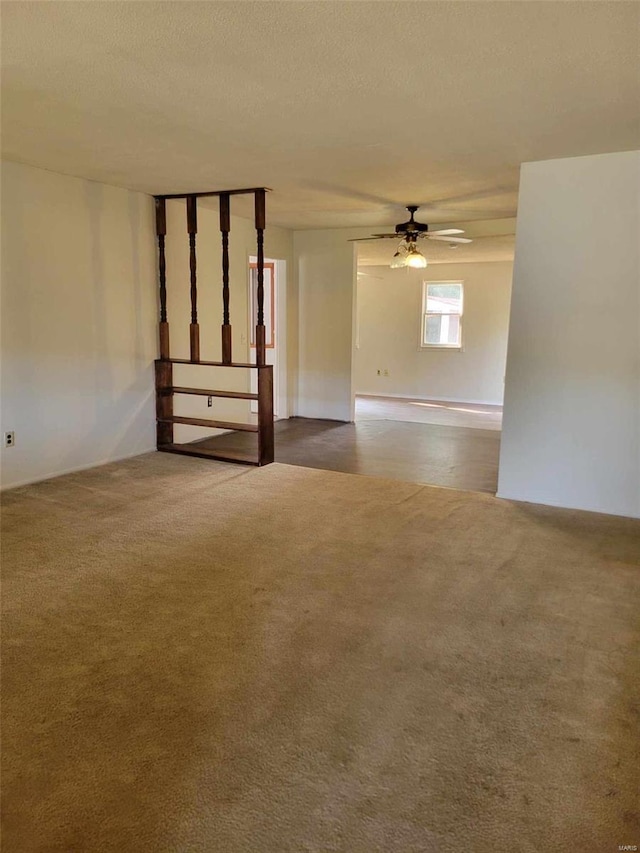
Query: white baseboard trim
[427, 399]
[317, 418]
[545, 500]
[74, 470]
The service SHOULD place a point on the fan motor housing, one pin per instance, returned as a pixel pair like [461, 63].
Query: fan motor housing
[411, 227]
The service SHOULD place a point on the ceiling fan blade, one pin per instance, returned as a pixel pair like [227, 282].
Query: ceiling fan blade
[444, 231]
[376, 237]
[450, 239]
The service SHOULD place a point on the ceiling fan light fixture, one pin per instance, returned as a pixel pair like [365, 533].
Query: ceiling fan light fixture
[399, 260]
[415, 258]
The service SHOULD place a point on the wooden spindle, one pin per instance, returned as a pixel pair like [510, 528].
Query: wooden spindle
[260, 215]
[225, 227]
[161, 231]
[192, 228]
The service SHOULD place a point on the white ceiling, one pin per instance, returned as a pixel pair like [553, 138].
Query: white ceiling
[347, 110]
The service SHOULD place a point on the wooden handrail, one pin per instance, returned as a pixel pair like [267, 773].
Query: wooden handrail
[214, 193]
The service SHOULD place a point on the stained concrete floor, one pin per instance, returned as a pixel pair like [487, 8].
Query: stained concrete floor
[440, 412]
[457, 457]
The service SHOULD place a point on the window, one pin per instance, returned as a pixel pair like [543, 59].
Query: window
[441, 314]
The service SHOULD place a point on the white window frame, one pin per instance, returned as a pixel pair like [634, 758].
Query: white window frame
[423, 318]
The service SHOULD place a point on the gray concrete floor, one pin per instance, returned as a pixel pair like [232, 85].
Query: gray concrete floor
[457, 457]
[472, 415]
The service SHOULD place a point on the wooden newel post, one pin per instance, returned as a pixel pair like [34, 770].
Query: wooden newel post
[192, 228]
[266, 437]
[161, 231]
[225, 227]
[260, 225]
[164, 402]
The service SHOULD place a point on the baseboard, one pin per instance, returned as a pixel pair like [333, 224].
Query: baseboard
[322, 416]
[545, 500]
[312, 418]
[74, 470]
[427, 399]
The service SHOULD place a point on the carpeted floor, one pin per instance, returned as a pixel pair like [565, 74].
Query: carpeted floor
[203, 657]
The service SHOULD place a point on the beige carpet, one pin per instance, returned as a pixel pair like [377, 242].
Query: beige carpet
[201, 657]
[470, 415]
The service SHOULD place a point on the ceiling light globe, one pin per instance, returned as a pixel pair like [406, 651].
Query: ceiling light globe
[398, 261]
[416, 260]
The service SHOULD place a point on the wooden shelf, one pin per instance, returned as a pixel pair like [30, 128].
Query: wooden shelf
[208, 392]
[240, 456]
[207, 422]
[212, 363]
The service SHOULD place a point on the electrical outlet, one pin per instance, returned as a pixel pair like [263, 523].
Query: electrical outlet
[9, 439]
[209, 401]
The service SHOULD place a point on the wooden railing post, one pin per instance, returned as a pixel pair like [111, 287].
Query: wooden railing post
[192, 228]
[260, 226]
[164, 402]
[161, 231]
[266, 448]
[225, 227]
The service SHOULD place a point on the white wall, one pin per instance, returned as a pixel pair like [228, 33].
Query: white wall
[389, 308]
[78, 323]
[79, 319]
[325, 269]
[571, 432]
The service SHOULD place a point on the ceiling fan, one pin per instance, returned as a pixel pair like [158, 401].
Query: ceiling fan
[408, 254]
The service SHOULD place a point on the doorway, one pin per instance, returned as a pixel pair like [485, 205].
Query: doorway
[428, 365]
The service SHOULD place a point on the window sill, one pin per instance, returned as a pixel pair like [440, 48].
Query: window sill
[423, 348]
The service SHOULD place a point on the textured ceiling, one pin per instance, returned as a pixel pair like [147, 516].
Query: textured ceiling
[348, 110]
